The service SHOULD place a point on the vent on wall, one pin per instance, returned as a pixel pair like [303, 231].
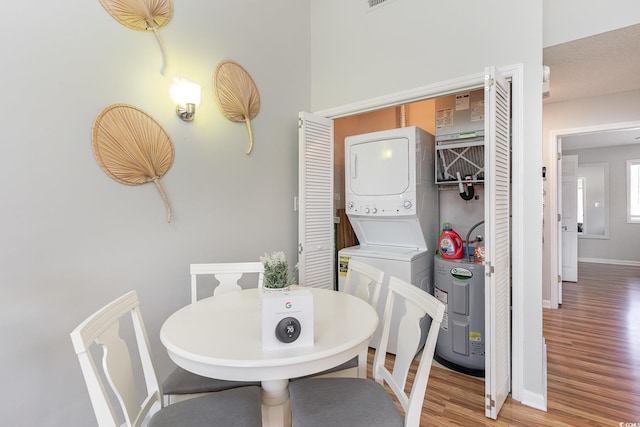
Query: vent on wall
[375, 4]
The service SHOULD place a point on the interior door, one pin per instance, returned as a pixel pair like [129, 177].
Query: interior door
[315, 202]
[569, 219]
[497, 230]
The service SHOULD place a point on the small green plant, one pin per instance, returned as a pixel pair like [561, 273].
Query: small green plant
[276, 271]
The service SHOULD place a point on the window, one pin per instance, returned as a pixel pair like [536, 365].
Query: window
[633, 191]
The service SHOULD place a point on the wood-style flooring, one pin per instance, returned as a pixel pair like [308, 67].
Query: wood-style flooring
[593, 356]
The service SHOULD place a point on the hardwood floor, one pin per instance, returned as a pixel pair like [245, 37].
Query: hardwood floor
[593, 355]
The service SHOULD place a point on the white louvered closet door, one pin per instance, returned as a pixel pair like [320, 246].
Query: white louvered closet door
[316, 251]
[497, 268]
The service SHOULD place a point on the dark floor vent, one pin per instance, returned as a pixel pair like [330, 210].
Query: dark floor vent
[377, 3]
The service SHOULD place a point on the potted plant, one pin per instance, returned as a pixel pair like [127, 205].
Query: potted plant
[277, 274]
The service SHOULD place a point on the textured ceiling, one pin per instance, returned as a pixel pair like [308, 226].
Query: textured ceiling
[593, 66]
[597, 65]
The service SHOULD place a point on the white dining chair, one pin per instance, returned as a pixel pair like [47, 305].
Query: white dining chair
[354, 402]
[103, 342]
[363, 281]
[227, 274]
[182, 384]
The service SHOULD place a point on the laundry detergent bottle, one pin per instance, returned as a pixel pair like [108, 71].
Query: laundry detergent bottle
[450, 243]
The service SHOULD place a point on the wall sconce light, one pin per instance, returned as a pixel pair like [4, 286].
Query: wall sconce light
[186, 95]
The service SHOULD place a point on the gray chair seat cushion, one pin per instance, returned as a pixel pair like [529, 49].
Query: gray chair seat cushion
[239, 407]
[352, 363]
[181, 381]
[342, 402]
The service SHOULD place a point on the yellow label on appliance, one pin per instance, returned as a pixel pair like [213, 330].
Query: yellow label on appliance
[343, 265]
[475, 336]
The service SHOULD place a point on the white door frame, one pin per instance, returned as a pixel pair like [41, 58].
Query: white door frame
[554, 204]
[515, 73]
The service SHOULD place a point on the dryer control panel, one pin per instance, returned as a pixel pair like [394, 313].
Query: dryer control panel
[406, 206]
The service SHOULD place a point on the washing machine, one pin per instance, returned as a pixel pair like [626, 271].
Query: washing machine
[459, 284]
[409, 264]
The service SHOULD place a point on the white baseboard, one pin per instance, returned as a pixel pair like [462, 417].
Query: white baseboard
[546, 303]
[544, 373]
[534, 400]
[610, 261]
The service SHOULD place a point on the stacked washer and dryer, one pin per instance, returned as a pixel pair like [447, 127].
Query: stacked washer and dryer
[392, 203]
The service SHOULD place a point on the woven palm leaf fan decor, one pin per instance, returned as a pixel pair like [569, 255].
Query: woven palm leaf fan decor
[142, 15]
[236, 94]
[132, 148]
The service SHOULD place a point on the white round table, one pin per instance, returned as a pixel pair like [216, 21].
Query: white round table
[221, 337]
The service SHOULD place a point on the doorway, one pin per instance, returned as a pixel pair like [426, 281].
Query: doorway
[517, 296]
[615, 134]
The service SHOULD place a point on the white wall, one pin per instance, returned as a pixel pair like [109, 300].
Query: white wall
[462, 214]
[572, 116]
[622, 244]
[359, 55]
[72, 239]
[569, 20]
